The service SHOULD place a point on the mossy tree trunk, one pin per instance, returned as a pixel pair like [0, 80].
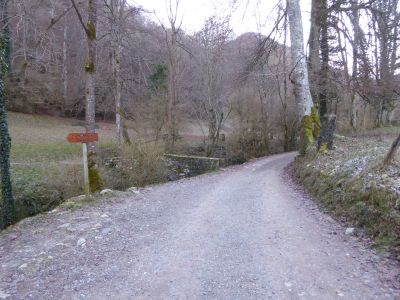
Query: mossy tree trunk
[7, 209]
[90, 84]
[90, 70]
[7, 204]
[300, 76]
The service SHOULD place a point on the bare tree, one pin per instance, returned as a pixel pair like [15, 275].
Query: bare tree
[117, 14]
[171, 41]
[213, 38]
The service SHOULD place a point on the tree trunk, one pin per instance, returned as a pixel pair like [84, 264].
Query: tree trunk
[356, 43]
[90, 113]
[7, 208]
[300, 77]
[7, 205]
[171, 117]
[392, 152]
[117, 90]
[324, 73]
[314, 64]
[65, 68]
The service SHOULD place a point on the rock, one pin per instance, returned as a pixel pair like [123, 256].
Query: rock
[23, 267]
[134, 190]
[106, 192]
[350, 231]
[81, 242]
[4, 295]
[70, 229]
[66, 225]
[288, 284]
[397, 205]
[106, 231]
[340, 294]
[97, 226]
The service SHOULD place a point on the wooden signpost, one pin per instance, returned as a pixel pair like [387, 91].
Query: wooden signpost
[84, 138]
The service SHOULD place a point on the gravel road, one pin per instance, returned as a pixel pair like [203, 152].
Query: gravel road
[246, 232]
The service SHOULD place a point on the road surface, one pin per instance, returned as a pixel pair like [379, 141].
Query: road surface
[246, 232]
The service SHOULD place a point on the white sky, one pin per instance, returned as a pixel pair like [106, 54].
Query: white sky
[244, 17]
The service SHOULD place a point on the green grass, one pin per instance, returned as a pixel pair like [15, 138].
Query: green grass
[53, 151]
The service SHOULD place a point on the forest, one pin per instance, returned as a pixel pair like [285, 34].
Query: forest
[143, 156]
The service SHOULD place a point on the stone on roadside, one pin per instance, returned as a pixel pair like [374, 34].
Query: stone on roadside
[134, 190]
[81, 242]
[107, 192]
[350, 231]
[97, 226]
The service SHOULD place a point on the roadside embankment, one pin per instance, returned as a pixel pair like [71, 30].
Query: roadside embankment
[352, 183]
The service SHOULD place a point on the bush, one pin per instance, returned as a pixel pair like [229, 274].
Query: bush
[137, 164]
[39, 188]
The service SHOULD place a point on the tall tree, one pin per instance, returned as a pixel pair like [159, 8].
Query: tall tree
[171, 40]
[117, 17]
[307, 112]
[7, 209]
[356, 43]
[90, 84]
[213, 38]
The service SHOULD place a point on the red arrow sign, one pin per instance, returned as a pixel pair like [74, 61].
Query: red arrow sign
[82, 137]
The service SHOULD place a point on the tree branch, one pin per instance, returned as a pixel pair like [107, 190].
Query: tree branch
[79, 16]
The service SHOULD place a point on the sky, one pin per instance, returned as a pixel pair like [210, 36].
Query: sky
[244, 15]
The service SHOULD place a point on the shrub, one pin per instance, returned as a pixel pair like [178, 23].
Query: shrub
[137, 164]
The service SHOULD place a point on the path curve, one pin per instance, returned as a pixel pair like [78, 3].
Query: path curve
[246, 232]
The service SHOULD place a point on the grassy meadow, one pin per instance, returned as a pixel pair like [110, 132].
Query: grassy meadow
[46, 169]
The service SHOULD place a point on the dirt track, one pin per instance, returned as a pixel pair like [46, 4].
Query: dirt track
[242, 233]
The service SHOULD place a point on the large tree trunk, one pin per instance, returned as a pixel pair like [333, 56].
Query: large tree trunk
[90, 70]
[300, 77]
[7, 204]
[7, 209]
[314, 63]
[90, 96]
[324, 72]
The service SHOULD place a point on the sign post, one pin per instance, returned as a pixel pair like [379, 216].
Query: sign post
[84, 138]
